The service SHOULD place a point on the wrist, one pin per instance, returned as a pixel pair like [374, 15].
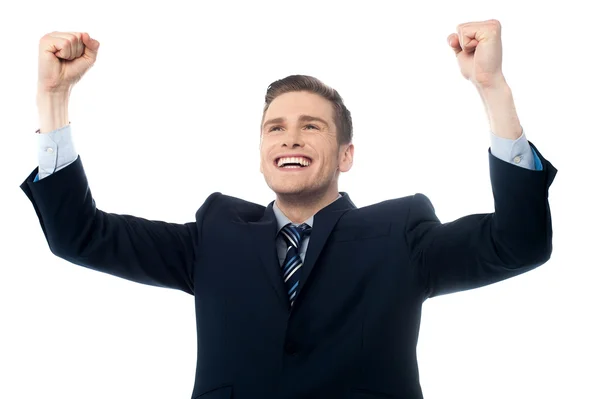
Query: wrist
[45, 96]
[501, 111]
[53, 110]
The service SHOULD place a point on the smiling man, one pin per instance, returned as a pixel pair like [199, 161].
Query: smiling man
[302, 152]
[309, 296]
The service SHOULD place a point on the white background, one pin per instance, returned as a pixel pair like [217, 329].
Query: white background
[170, 113]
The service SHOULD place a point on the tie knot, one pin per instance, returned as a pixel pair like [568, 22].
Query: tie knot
[303, 229]
[294, 234]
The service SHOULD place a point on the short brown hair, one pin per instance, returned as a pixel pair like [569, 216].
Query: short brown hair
[341, 114]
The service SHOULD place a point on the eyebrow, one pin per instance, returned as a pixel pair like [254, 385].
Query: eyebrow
[301, 118]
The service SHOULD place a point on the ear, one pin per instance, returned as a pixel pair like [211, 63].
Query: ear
[347, 158]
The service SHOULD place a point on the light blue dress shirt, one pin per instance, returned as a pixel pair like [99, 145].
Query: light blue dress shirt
[56, 151]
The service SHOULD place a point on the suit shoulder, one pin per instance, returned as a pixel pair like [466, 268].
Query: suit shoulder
[221, 205]
[385, 211]
[394, 203]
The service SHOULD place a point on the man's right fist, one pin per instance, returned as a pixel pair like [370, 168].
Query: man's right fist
[64, 58]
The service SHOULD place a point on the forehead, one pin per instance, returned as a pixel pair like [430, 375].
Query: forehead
[293, 104]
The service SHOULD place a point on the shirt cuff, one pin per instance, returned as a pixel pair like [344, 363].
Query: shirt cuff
[517, 152]
[55, 149]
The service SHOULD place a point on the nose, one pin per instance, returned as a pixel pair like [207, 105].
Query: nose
[293, 138]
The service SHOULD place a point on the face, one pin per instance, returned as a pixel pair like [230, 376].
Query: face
[294, 134]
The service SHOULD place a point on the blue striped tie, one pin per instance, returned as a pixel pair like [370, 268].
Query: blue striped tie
[290, 267]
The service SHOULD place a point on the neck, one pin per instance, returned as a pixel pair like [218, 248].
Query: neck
[299, 208]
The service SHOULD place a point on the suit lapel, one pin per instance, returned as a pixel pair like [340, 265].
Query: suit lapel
[323, 223]
[263, 233]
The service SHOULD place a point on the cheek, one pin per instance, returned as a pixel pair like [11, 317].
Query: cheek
[265, 157]
[331, 160]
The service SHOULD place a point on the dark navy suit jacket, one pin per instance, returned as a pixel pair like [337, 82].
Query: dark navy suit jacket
[353, 330]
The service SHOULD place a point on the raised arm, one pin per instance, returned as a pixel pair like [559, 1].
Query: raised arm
[145, 251]
[481, 249]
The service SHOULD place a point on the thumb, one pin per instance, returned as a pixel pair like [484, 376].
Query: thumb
[91, 45]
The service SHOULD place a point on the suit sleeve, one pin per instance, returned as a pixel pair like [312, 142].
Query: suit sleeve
[145, 251]
[481, 249]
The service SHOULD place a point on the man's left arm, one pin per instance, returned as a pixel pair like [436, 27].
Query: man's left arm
[482, 249]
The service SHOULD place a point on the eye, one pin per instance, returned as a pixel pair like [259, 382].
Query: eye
[279, 127]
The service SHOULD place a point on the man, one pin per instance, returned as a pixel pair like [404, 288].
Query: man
[309, 297]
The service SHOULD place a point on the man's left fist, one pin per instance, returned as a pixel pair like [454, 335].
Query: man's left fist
[478, 48]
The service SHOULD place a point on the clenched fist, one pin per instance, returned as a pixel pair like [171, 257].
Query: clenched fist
[63, 59]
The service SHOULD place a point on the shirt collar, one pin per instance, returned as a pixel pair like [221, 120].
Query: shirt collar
[282, 220]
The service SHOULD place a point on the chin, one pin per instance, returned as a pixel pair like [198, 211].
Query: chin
[287, 190]
[289, 187]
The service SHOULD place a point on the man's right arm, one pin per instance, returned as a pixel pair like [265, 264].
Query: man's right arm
[150, 252]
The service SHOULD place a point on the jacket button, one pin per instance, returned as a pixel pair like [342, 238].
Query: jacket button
[290, 348]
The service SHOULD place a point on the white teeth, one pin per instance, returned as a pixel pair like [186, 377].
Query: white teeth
[300, 160]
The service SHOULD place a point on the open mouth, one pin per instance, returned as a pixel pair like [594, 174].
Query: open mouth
[292, 162]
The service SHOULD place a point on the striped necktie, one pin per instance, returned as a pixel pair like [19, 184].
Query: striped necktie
[290, 267]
